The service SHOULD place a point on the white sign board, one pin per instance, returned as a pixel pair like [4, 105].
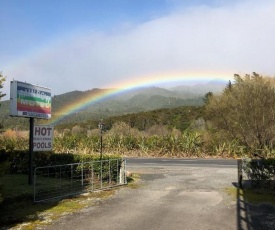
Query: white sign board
[27, 100]
[42, 137]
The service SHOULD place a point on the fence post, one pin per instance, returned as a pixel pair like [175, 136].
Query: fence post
[101, 174]
[60, 190]
[117, 172]
[82, 183]
[240, 173]
[92, 168]
[71, 177]
[110, 172]
[34, 183]
[125, 176]
[122, 174]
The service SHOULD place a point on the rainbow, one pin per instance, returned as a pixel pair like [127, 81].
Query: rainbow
[146, 81]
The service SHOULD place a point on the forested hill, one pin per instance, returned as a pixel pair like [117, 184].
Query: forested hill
[132, 101]
[180, 118]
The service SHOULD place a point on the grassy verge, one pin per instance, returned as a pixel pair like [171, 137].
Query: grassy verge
[132, 181]
[252, 196]
[18, 210]
[14, 185]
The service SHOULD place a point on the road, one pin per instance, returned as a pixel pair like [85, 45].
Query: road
[143, 162]
[174, 194]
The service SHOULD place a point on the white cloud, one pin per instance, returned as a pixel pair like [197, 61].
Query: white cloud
[235, 38]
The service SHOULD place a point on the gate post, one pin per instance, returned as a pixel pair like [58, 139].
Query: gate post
[240, 173]
[122, 172]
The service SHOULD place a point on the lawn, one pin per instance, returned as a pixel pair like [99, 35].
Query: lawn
[17, 204]
[18, 207]
[17, 199]
[252, 196]
[14, 185]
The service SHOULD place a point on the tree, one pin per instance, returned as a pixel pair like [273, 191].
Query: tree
[207, 97]
[2, 80]
[245, 111]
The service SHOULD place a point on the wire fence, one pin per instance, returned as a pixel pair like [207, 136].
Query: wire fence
[59, 181]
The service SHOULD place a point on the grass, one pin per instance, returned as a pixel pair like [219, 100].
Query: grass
[132, 181]
[252, 196]
[14, 185]
[17, 204]
[18, 209]
[27, 215]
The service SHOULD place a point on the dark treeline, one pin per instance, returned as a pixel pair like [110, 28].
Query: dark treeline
[179, 118]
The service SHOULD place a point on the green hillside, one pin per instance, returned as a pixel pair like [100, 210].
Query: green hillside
[137, 100]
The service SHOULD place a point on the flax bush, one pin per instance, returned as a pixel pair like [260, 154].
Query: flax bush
[159, 140]
[13, 140]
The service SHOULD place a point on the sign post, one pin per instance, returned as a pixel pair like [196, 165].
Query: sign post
[32, 101]
[31, 151]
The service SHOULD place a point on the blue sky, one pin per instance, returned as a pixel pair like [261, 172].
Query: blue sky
[28, 24]
[25, 24]
[79, 45]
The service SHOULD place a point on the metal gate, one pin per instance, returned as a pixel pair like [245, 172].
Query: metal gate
[59, 181]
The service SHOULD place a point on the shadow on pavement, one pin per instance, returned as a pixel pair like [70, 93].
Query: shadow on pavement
[251, 216]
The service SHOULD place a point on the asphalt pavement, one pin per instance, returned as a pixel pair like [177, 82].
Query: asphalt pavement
[175, 194]
[143, 162]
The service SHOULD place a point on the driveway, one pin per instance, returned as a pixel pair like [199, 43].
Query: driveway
[174, 197]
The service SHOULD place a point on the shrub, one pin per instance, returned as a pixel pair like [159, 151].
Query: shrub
[261, 172]
[17, 161]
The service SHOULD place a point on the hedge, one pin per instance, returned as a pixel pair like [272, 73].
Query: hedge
[261, 172]
[18, 160]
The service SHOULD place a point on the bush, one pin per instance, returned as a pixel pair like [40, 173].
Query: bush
[261, 172]
[17, 161]
[244, 112]
[3, 156]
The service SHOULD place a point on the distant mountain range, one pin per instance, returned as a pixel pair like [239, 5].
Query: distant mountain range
[128, 101]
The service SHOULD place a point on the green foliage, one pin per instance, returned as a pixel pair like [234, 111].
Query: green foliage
[2, 80]
[179, 118]
[236, 123]
[3, 155]
[17, 161]
[225, 148]
[257, 197]
[134, 102]
[141, 102]
[261, 172]
[4, 163]
[9, 144]
[191, 143]
[244, 112]
[207, 97]
[8, 122]
[159, 140]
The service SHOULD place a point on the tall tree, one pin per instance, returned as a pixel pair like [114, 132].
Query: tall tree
[2, 80]
[245, 111]
[207, 97]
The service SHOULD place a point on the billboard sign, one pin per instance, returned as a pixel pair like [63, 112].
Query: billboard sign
[42, 138]
[27, 100]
